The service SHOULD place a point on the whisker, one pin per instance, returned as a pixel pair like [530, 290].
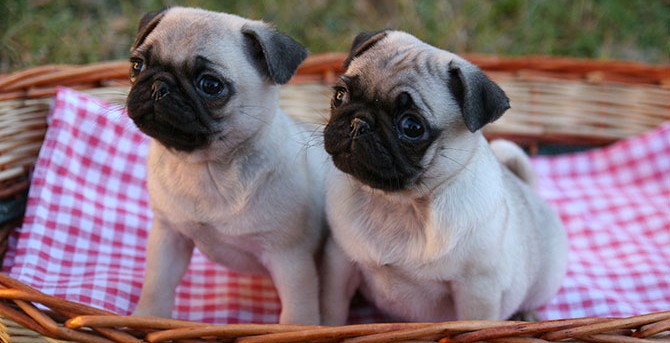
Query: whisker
[262, 121]
[456, 149]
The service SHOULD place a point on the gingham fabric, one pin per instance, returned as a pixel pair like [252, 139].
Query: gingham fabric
[87, 221]
[615, 205]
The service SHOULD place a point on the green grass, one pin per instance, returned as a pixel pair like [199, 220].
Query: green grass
[38, 32]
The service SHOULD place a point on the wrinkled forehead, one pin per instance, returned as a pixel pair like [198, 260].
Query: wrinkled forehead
[184, 33]
[402, 63]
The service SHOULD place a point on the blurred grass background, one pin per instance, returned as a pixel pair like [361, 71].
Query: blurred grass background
[38, 32]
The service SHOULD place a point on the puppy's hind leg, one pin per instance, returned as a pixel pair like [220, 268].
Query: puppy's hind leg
[477, 298]
[515, 159]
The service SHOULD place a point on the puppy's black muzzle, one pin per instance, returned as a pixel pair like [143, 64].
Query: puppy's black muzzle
[160, 108]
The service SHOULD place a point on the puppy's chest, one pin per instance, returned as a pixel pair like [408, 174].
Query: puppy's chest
[193, 195]
[412, 269]
[404, 249]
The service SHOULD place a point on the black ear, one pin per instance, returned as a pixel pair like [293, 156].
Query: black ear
[363, 42]
[277, 54]
[480, 99]
[148, 23]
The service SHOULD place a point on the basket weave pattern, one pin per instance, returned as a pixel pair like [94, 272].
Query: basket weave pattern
[554, 100]
[76, 322]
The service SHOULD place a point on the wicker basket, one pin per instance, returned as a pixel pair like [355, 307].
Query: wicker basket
[554, 101]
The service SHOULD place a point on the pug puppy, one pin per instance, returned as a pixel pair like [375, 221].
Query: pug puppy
[228, 171]
[425, 220]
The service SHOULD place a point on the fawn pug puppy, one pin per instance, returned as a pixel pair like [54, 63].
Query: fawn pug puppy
[228, 171]
[425, 219]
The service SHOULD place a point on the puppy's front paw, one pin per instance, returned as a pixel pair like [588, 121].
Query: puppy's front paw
[145, 309]
[299, 318]
[525, 316]
[334, 318]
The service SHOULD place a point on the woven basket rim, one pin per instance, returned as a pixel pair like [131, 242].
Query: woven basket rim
[63, 319]
[30, 90]
[77, 322]
[624, 71]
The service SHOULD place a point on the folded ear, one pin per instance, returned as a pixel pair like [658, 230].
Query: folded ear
[480, 99]
[277, 54]
[363, 42]
[148, 23]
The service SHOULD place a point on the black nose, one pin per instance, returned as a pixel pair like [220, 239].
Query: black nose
[159, 90]
[359, 127]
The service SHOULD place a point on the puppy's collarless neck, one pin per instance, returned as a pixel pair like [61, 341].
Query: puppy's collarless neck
[405, 197]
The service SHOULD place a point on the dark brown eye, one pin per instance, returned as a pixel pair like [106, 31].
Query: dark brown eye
[136, 67]
[341, 96]
[411, 127]
[211, 86]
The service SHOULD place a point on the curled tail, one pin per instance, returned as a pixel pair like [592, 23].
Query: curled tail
[515, 159]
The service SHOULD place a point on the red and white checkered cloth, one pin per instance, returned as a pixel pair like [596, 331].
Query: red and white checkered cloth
[87, 220]
[615, 205]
